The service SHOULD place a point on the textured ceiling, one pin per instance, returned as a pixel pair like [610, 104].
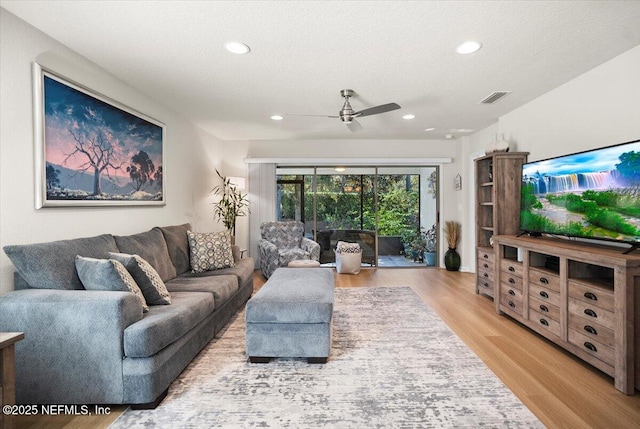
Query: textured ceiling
[304, 52]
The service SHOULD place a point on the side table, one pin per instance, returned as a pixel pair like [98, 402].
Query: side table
[8, 371]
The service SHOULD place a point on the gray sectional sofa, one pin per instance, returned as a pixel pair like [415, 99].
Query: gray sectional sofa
[98, 347]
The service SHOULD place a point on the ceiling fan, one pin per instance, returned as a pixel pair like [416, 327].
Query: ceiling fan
[348, 115]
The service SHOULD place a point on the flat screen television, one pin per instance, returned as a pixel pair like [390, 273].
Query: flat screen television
[593, 194]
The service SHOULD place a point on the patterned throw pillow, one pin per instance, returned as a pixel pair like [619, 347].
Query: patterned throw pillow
[345, 247]
[210, 251]
[148, 279]
[107, 274]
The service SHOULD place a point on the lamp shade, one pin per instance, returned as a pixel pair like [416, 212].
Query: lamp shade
[237, 182]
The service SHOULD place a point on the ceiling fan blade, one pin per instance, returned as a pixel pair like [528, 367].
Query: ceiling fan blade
[354, 126]
[377, 109]
[321, 116]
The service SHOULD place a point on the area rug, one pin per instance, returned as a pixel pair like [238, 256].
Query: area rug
[394, 364]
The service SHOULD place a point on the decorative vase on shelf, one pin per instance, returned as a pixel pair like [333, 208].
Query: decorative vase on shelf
[497, 145]
[452, 260]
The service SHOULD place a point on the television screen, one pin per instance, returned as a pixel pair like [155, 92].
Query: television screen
[592, 194]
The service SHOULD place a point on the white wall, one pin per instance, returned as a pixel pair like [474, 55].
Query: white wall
[190, 154]
[451, 200]
[599, 108]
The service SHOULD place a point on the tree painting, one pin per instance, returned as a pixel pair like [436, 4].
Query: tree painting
[96, 151]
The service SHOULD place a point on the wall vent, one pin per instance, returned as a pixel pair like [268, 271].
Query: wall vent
[494, 97]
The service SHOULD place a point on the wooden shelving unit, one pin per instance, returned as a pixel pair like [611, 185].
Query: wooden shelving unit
[498, 180]
[583, 297]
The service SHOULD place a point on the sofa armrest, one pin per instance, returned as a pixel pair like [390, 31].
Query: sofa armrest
[73, 347]
[312, 247]
[237, 255]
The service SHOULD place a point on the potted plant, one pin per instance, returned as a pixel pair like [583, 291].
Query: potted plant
[452, 233]
[231, 205]
[431, 243]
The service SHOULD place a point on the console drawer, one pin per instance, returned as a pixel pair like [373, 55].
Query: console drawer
[544, 294]
[592, 330]
[591, 294]
[485, 285]
[484, 274]
[545, 322]
[485, 264]
[511, 303]
[485, 256]
[591, 313]
[510, 292]
[545, 279]
[512, 267]
[511, 280]
[594, 348]
[544, 308]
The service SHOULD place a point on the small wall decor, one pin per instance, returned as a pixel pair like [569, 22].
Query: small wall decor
[457, 182]
[91, 150]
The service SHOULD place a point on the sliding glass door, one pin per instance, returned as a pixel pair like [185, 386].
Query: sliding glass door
[390, 211]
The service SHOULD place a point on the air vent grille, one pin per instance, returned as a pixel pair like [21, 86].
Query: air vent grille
[494, 97]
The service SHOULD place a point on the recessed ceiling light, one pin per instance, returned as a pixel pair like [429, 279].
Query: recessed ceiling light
[339, 169]
[408, 116]
[277, 117]
[237, 48]
[448, 136]
[429, 129]
[468, 47]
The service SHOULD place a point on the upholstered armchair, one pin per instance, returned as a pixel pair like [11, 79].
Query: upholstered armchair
[283, 242]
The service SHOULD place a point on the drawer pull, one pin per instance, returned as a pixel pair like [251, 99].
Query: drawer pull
[590, 312]
[511, 280]
[590, 296]
[486, 274]
[513, 270]
[544, 322]
[485, 265]
[590, 346]
[544, 294]
[544, 280]
[512, 304]
[485, 284]
[485, 256]
[511, 292]
[544, 308]
[590, 329]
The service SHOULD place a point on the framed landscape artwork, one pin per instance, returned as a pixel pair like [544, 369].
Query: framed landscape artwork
[91, 150]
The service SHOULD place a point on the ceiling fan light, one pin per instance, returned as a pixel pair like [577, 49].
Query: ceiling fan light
[277, 117]
[468, 47]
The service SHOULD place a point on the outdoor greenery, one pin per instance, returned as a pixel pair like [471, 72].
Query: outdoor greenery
[343, 206]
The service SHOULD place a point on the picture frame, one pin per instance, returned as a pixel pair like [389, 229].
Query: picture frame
[92, 151]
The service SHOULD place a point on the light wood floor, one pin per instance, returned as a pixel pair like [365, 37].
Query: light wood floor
[561, 390]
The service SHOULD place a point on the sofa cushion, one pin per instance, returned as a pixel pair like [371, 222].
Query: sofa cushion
[210, 251]
[148, 279]
[165, 324]
[243, 271]
[151, 247]
[109, 275]
[52, 265]
[221, 287]
[178, 245]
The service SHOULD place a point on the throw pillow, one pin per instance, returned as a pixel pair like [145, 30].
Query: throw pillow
[153, 288]
[210, 251]
[107, 274]
[345, 247]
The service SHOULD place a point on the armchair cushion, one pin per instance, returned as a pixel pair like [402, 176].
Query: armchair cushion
[285, 235]
[288, 255]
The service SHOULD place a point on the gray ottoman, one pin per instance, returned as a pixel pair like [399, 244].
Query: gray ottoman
[290, 316]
